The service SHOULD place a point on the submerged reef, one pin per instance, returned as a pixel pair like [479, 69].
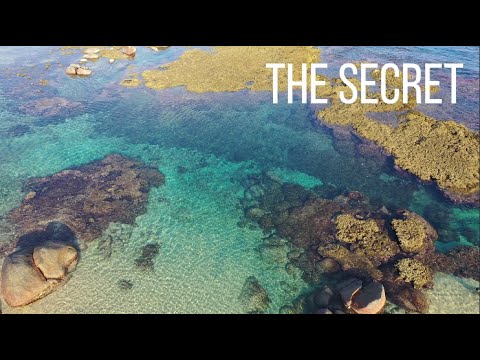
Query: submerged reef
[229, 68]
[52, 106]
[444, 152]
[347, 237]
[149, 253]
[87, 198]
[253, 297]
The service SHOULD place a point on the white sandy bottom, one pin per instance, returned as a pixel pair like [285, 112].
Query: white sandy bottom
[454, 295]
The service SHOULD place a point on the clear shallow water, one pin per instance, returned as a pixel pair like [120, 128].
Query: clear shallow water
[205, 256]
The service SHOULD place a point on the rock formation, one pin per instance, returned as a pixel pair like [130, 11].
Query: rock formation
[87, 198]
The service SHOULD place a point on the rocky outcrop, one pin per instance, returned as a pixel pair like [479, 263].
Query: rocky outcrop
[30, 274]
[253, 297]
[87, 198]
[415, 235]
[349, 236]
[75, 69]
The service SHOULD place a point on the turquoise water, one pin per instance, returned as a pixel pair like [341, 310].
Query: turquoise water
[216, 140]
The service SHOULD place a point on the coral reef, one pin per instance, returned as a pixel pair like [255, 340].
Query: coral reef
[413, 271]
[229, 68]
[87, 198]
[253, 296]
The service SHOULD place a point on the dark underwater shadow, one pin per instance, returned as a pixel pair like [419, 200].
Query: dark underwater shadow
[55, 232]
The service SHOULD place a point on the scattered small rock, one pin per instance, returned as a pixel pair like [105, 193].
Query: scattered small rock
[111, 61]
[323, 311]
[92, 51]
[322, 298]
[30, 195]
[71, 70]
[125, 284]
[84, 71]
[149, 253]
[129, 50]
[91, 56]
[76, 69]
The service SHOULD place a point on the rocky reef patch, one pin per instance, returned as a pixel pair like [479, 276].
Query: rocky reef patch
[444, 152]
[229, 68]
[87, 198]
[391, 254]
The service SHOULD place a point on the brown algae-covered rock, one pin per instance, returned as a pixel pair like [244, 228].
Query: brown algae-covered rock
[229, 68]
[441, 151]
[413, 271]
[350, 230]
[130, 82]
[366, 237]
[463, 261]
[414, 233]
[350, 261]
[52, 106]
[88, 198]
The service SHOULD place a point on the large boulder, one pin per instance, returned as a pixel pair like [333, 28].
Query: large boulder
[347, 290]
[370, 299]
[22, 282]
[55, 260]
[31, 274]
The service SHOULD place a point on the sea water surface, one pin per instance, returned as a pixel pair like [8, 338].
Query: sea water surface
[216, 139]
